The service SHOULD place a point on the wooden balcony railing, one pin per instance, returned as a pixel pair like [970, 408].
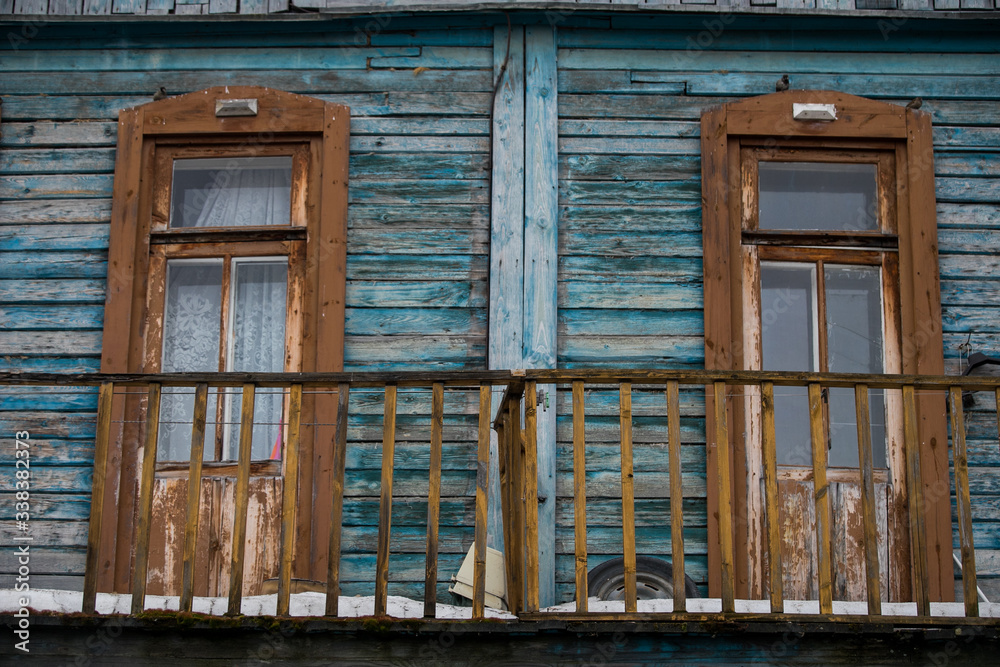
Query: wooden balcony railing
[514, 417]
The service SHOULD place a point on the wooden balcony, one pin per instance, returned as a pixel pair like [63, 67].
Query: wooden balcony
[507, 402]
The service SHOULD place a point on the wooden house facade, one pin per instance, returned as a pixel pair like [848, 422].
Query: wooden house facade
[652, 245]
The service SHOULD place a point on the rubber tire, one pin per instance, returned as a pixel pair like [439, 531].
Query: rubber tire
[654, 579]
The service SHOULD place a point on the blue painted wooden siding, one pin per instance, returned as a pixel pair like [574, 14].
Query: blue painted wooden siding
[630, 92]
[418, 248]
[630, 274]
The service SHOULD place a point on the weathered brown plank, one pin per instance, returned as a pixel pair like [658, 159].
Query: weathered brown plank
[918, 540]
[964, 505]
[433, 501]
[531, 493]
[289, 499]
[147, 474]
[482, 478]
[241, 501]
[769, 455]
[385, 504]
[628, 496]
[725, 508]
[194, 495]
[105, 397]
[337, 505]
[821, 495]
[676, 495]
[580, 495]
[870, 526]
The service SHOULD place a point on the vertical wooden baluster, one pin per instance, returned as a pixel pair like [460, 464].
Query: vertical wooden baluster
[725, 498]
[518, 483]
[580, 495]
[914, 489]
[628, 495]
[241, 501]
[676, 494]
[531, 493]
[870, 527]
[289, 499]
[433, 501]
[194, 494]
[482, 479]
[105, 396]
[509, 509]
[771, 497]
[147, 479]
[337, 507]
[385, 504]
[821, 496]
[961, 465]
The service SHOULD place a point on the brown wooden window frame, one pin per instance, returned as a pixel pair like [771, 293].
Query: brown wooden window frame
[316, 134]
[747, 129]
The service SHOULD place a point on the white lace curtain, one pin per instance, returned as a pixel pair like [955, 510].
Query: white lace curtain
[232, 192]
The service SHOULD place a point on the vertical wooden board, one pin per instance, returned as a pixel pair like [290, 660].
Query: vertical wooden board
[918, 539]
[541, 214]
[531, 475]
[769, 456]
[262, 544]
[821, 493]
[628, 495]
[289, 499]
[482, 479]
[38, 7]
[507, 205]
[144, 519]
[433, 502]
[724, 499]
[797, 514]
[65, 7]
[676, 494]
[385, 501]
[506, 314]
[580, 495]
[166, 542]
[241, 502]
[337, 502]
[97, 506]
[192, 511]
[869, 526]
[963, 502]
[847, 541]
[128, 7]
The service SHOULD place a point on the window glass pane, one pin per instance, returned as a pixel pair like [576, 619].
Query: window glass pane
[788, 335]
[818, 196]
[259, 291]
[231, 192]
[854, 341]
[191, 321]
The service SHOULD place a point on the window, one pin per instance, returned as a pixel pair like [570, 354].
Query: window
[227, 253]
[820, 254]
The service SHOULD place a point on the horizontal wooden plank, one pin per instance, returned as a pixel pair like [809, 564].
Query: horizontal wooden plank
[666, 219]
[372, 353]
[50, 343]
[61, 186]
[396, 321]
[652, 296]
[629, 193]
[52, 161]
[628, 146]
[69, 362]
[380, 240]
[219, 59]
[649, 457]
[52, 291]
[967, 137]
[55, 211]
[62, 399]
[450, 57]
[589, 322]
[318, 82]
[631, 351]
[61, 452]
[968, 216]
[53, 506]
[453, 294]
[49, 479]
[61, 317]
[588, 105]
[650, 540]
[971, 293]
[418, 144]
[451, 166]
[968, 266]
[415, 267]
[630, 128]
[628, 243]
[667, 270]
[48, 533]
[948, 163]
[628, 167]
[977, 190]
[28, 238]
[426, 216]
[59, 134]
[50, 424]
[963, 241]
[795, 63]
[46, 561]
